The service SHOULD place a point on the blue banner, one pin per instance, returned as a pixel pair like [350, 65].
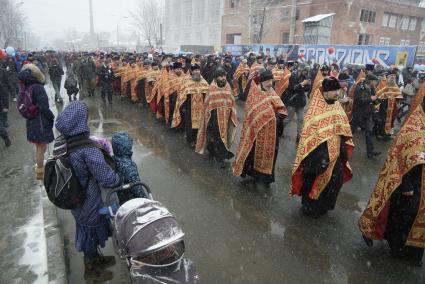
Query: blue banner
[343, 54]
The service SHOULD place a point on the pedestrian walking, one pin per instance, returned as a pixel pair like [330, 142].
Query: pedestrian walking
[92, 171]
[56, 73]
[40, 122]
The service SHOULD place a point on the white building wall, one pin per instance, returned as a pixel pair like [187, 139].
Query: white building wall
[192, 22]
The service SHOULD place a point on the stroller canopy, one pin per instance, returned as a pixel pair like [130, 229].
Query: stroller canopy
[144, 226]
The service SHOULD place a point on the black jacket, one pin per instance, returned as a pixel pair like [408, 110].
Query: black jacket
[363, 104]
[4, 93]
[56, 72]
[295, 95]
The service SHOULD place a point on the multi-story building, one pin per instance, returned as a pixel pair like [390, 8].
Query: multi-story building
[219, 22]
[192, 22]
[395, 22]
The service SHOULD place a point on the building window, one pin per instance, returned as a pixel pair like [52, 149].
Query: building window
[384, 40]
[232, 4]
[285, 38]
[412, 24]
[367, 16]
[385, 20]
[286, 14]
[421, 47]
[233, 38]
[404, 23]
[297, 14]
[365, 39]
[393, 21]
[404, 42]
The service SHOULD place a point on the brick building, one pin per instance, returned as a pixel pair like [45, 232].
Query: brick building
[219, 22]
[395, 22]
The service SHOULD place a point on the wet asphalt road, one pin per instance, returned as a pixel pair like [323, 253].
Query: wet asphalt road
[234, 233]
[243, 234]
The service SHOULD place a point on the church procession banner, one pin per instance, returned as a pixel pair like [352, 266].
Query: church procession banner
[344, 54]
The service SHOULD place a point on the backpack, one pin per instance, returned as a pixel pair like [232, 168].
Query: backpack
[60, 181]
[25, 105]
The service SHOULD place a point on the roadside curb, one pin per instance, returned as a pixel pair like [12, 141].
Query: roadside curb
[56, 266]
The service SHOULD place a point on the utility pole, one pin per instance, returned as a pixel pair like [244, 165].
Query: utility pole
[118, 37]
[91, 21]
[293, 21]
[250, 22]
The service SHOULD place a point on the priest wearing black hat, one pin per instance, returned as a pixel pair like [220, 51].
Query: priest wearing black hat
[171, 93]
[321, 164]
[217, 127]
[190, 104]
[365, 99]
[259, 145]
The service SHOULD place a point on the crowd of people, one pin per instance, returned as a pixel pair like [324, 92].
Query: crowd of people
[197, 95]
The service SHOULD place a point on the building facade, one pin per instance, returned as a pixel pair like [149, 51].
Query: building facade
[192, 22]
[365, 22]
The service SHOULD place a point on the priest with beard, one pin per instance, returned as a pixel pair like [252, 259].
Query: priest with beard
[172, 91]
[321, 165]
[396, 208]
[263, 120]
[190, 104]
[219, 120]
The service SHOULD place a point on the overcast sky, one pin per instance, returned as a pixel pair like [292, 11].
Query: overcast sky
[51, 18]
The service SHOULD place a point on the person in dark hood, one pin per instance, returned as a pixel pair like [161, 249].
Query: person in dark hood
[122, 145]
[92, 171]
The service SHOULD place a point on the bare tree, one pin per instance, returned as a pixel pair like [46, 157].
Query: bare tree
[11, 23]
[147, 20]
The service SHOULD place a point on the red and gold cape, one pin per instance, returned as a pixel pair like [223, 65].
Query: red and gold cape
[349, 109]
[242, 68]
[173, 85]
[219, 99]
[259, 126]
[281, 77]
[323, 122]
[152, 77]
[384, 91]
[406, 152]
[197, 90]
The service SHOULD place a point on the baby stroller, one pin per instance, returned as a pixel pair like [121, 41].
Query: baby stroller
[149, 238]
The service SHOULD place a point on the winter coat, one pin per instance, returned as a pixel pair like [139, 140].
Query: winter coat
[122, 145]
[363, 107]
[88, 69]
[4, 93]
[92, 171]
[295, 95]
[56, 72]
[71, 85]
[40, 128]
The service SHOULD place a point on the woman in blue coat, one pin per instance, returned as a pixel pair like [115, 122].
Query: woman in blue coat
[39, 128]
[91, 169]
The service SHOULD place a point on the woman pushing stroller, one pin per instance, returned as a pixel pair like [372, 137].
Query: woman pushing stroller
[92, 171]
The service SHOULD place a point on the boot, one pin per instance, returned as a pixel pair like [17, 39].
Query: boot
[95, 273]
[102, 261]
[39, 173]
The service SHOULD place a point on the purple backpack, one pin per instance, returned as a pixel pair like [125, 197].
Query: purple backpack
[25, 105]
